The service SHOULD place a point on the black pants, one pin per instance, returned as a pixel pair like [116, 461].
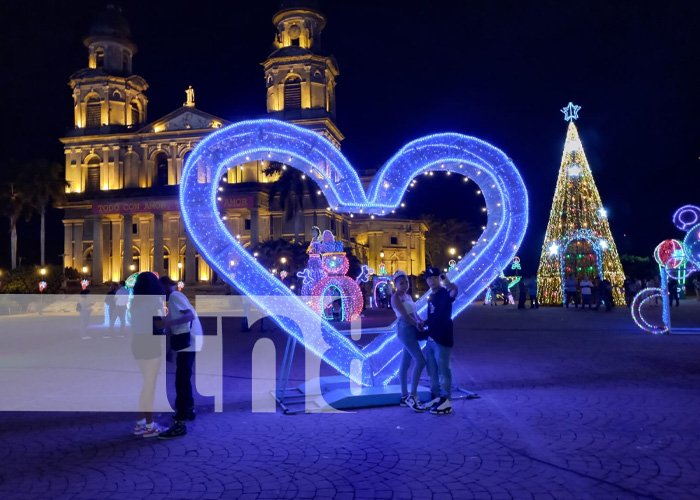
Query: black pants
[571, 296]
[184, 401]
[674, 296]
[533, 301]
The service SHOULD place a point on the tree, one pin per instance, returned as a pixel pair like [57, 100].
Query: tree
[445, 234]
[578, 239]
[12, 206]
[43, 182]
[292, 187]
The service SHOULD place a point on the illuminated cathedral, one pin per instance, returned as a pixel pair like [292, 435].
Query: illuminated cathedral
[123, 169]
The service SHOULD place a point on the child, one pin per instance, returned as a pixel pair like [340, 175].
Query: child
[439, 346]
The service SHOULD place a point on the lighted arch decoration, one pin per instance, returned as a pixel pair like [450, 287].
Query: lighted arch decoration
[314, 155]
[598, 244]
[636, 308]
[676, 260]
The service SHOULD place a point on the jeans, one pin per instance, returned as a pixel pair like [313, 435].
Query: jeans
[119, 313]
[438, 359]
[571, 296]
[184, 401]
[407, 335]
[533, 301]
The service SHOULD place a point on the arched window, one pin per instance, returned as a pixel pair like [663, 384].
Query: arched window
[135, 113]
[93, 112]
[394, 261]
[135, 264]
[99, 57]
[161, 163]
[87, 259]
[92, 178]
[292, 93]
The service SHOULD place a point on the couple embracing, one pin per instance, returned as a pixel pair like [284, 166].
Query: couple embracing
[437, 329]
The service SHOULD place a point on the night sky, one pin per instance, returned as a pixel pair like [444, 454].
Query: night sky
[497, 70]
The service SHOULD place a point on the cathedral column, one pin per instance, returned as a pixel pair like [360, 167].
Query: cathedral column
[158, 244]
[97, 277]
[190, 269]
[374, 243]
[67, 244]
[115, 263]
[172, 165]
[78, 245]
[254, 226]
[128, 250]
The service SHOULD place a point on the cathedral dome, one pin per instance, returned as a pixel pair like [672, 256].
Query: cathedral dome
[109, 21]
[300, 4]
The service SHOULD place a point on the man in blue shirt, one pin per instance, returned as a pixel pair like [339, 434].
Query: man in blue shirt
[439, 346]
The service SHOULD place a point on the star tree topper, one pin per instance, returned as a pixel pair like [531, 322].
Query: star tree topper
[570, 112]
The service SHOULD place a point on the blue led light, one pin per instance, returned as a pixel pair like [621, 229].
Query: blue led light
[570, 112]
[271, 140]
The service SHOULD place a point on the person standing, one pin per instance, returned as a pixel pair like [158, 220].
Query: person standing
[522, 293]
[438, 349]
[186, 340]
[532, 288]
[570, 285]
[628, 288]
[696, 285]
[407, 328]
[121, 301]
[586, 292]
[84, 307]
[673, 292]
[110, 309]
[146, 310]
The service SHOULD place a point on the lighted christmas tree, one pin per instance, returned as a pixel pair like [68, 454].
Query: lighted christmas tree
[578, 239]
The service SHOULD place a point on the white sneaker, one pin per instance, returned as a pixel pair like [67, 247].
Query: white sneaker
[414, 404]
[442, 408]
[429, 404]
[153, 431]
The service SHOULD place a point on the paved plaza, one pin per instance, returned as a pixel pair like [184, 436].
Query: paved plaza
[574, 404]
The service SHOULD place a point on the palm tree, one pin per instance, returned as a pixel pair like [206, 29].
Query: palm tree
[43, 182]
[12, 206]
[292, 186]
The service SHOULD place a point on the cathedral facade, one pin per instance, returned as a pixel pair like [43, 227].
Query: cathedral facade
[122, 214]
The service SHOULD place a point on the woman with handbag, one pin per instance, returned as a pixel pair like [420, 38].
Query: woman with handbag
[146, 340]
[408, 332]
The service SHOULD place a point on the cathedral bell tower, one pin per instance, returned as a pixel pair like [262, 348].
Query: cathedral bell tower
[300, 82]
[106, 95]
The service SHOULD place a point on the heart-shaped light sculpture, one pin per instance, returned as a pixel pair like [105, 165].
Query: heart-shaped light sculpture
[315, 156]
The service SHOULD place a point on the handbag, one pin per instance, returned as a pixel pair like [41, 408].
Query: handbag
[179, 341]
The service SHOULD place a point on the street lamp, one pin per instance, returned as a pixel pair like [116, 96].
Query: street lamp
[179, 271]
[42, 271]
[132, 267]
[283, 260]
[452, 251]
[381, 254]
[85, 270]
